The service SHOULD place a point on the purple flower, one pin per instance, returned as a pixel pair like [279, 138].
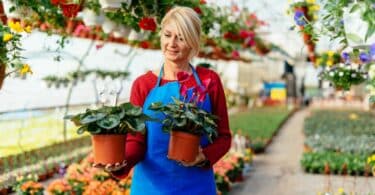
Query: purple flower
[346, 57]
[299, 18]
[342, 22]
[364, 57]
[372, 51]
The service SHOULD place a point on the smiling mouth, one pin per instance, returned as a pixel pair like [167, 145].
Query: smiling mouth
[172, 52]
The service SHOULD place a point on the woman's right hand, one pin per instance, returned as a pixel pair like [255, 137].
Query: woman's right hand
[111, 167]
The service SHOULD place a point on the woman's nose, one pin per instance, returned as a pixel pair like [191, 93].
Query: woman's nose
[173, 41]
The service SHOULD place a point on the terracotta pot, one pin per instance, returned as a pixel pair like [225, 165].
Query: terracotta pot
[311, 47]
[307, 38]
[3, 17]
[2, 74]
[108, 149]
[183, 146]
[261, 50]
[312, 57]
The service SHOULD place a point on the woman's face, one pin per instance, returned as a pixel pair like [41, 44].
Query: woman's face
[173, 45]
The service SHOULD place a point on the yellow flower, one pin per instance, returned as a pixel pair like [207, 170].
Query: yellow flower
[373, 157]
[329, 62]
[341, 191]
[28, 29]
[315, 17]
[310, 1]
[330, 53]
[25, 69]
[315, 7]
[15, 26]
[353, 116]
[7, 37]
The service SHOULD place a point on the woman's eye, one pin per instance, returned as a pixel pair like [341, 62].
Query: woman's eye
[181, 39]
[167, 35]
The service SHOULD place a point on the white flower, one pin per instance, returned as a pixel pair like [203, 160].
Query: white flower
[231, 19]
[341, 74]
[354, 75]
[332, 74]
[371, 71]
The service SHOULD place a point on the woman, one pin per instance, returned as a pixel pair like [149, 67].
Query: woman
[154, 173]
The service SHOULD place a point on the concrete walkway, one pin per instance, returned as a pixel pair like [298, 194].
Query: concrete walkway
[278, 172]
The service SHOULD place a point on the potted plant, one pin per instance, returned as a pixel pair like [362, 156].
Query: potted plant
[108, 126]
[28, 185]
[187, 121]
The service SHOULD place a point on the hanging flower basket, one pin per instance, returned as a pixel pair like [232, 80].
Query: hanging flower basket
[356, 28]
[183, 146]
[2, 74]
[70, 8]
[108, 26]
[18, 12]
[113, 4]
[90, 18]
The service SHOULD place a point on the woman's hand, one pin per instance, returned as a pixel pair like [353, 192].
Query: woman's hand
[200, 158]
[111, 167]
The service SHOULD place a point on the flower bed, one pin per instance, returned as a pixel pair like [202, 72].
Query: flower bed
[339, 142]
[260, 124]
[81, 178]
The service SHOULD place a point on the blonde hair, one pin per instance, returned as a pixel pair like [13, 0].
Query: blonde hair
[188, 24]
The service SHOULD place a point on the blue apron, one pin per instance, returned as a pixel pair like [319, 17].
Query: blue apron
[156, 174]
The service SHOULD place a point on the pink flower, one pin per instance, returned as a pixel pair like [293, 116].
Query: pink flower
[183, 90]
[235, 54]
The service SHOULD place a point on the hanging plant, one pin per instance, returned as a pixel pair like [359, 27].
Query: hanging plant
[70, 8]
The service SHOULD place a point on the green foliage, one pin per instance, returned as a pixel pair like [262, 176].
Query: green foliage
[186, 117]
[339, 163]
[260, 124]
[10, 50]
[354, 129]
[111, 120]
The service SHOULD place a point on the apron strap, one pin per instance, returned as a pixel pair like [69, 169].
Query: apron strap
[192, 68]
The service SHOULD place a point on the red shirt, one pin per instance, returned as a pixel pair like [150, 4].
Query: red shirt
[136, 144]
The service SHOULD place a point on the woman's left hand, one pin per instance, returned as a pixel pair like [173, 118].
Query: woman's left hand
[200, 157]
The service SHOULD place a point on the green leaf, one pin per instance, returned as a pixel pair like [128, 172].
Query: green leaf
[81, 129]
[370, 31]
[191, 115]
[353, 37]
[156, 106]
[355, 8]
[92, 117]
[109, 122]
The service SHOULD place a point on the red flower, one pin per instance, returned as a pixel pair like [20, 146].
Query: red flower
[245, 34]
[147, 23]
[144, 44]
[202, 1]
[69, 10]
[198, 10]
